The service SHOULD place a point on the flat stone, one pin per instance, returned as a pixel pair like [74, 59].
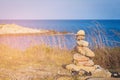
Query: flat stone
[78, 68]
[80, 50]
[89, 52]
[89, 63]
[84, 63]
[82, 43]
[88, 69]
[85, 51]
[101, 73]
[70, 66]
[79, 57]
[80, 63]
[81, 32]
[78, 38]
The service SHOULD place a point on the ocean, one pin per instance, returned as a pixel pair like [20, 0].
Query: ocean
[98, 33]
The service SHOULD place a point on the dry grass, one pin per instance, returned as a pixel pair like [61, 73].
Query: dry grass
[36, 60]
[42, 62]
[108, 57]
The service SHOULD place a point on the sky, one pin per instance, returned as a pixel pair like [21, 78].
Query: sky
[59, 9]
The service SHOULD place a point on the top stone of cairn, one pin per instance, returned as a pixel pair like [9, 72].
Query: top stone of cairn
[81, 33]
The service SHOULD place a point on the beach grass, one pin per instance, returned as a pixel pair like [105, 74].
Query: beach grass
[40, 58]
[108, 58]
[49, 60]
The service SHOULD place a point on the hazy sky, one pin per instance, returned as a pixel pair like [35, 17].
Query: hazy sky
[59, 9]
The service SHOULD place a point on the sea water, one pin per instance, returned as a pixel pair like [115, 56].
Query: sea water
[100, 32]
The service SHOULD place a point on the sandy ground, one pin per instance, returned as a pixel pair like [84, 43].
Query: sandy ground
[16, 29]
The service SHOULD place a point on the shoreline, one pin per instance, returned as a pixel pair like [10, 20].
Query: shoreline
[16, 30]
[30, 34]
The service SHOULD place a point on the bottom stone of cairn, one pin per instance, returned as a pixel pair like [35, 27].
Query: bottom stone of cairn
[95, 71]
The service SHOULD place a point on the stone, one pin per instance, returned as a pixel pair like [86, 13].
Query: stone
[82, 72]
[81, 33]
[79, 57]
[80, 63]
[70, 66]
[82, 43]
[89, 52]
[89, 63]
[98, 67]
[101, 73]
[86, 68]
[78, 68]
[80, 50]
[78, 38]
[74, 73]
[115, 74]
[85, 51]
[84, 63]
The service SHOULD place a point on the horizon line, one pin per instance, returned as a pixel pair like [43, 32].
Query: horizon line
[59, 19]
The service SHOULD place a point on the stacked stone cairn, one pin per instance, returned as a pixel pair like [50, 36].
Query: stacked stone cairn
[82, 59]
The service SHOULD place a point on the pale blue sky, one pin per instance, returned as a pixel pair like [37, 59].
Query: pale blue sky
[59, 9]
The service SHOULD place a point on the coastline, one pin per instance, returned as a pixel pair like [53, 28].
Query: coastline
[16, 30]
[36, 34]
